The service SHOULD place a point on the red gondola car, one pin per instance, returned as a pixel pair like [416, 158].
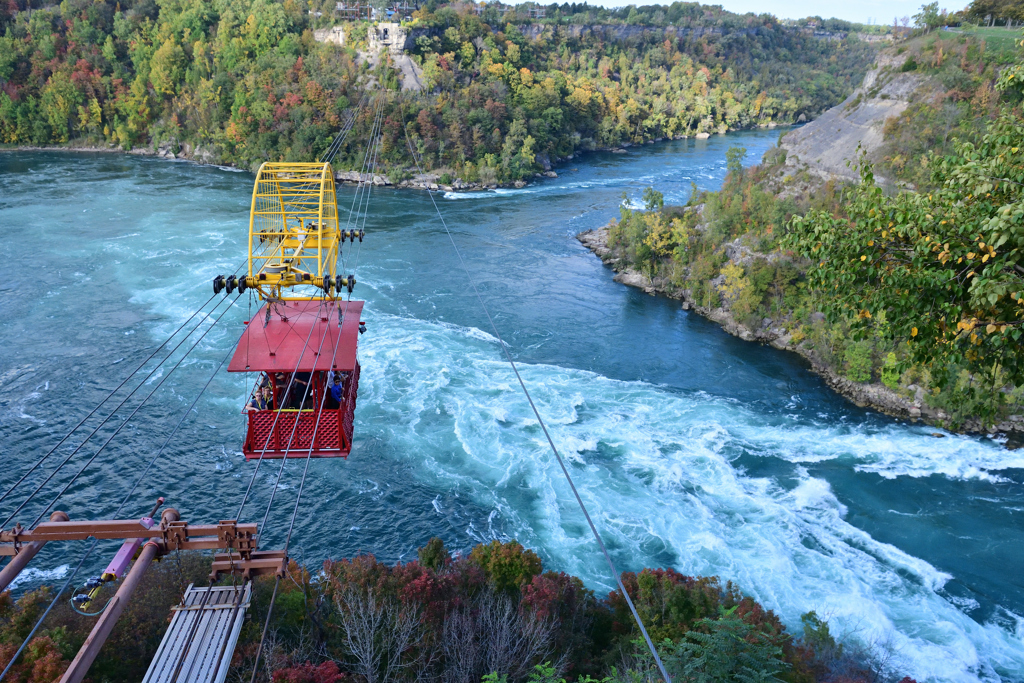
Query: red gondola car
[272, 349]
[302, 342]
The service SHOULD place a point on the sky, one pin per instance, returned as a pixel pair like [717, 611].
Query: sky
[878, 11]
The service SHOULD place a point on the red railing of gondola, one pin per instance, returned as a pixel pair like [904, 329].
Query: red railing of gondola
[333, 436]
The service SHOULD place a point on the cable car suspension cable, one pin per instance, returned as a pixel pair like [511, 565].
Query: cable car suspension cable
[116, 512]
[273, 427]
[134, 412]
[376, 143]
[277, 415]
[114, 411]
[295, 510]
[105, 399]
[339, 139]
[361, 188]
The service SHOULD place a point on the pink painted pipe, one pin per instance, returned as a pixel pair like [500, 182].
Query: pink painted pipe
[117, 565]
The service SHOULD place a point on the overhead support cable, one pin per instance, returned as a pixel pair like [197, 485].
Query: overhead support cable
[295, 509]
[120, 405]
[134, 412]
[371, 153]
[543, 426]
[116, 512]
[105, 399]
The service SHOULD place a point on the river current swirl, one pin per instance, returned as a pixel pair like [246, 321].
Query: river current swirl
[691, 448]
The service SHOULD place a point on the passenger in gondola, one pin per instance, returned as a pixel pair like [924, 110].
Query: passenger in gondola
[335, 391]
[262, 400]
[300, 395]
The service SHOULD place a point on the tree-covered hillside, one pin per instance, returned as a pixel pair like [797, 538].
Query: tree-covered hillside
[245, 80]
[918, 287]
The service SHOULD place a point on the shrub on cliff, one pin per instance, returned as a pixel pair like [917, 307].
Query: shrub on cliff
[492, 613]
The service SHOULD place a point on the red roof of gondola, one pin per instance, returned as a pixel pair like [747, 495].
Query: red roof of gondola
[276, 346]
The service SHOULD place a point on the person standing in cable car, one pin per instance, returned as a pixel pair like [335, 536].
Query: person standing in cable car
[263, 400]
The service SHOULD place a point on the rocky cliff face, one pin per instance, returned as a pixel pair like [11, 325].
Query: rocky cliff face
[618, 32]
[823, 148]
[825, 145]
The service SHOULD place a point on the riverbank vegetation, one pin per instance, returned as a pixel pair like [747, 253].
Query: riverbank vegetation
[244, 81]
[491, 615]
[921, 290]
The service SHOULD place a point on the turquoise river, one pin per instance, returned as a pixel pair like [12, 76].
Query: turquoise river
[692, 449]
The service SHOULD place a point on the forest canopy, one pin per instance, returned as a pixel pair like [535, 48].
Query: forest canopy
[246, 81]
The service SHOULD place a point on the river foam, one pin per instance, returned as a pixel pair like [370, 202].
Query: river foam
[656, 472]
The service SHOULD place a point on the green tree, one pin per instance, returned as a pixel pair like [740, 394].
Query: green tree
[60, 101]
[734, 157]
[946, 267]
[930, 17]
[653, 199]
[724, 650]
[167, 67]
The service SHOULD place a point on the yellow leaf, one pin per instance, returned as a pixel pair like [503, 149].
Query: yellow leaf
[863, 258]
[990, 329]
[984, 258]
[913, 332]
[971, 255]
[871, 243]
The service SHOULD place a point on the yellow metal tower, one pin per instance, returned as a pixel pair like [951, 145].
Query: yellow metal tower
[294, 236]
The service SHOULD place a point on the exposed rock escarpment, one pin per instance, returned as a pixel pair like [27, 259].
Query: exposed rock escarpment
[829, 146]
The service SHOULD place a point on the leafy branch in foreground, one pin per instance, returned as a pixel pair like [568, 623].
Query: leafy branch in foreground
[946, 268]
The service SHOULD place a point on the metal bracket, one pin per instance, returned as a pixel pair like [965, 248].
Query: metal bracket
[259, 563]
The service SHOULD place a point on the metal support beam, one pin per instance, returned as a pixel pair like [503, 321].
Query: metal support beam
[92, 645]
[24, 555]
[259, 563]
[170, 535]
[91, 648]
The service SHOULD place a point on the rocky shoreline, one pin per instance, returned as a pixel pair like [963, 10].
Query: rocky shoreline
[872, 395]
[205, 157]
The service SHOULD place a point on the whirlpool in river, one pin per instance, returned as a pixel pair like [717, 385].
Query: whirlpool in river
[691, 448]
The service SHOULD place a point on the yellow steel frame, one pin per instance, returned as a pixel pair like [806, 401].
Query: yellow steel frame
[294, 236]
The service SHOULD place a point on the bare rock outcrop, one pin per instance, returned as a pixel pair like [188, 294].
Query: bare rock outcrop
[825, 145]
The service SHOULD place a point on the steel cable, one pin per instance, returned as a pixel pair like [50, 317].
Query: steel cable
[277, 416]
[362, 210]
[134, 412]
[543, 425]
[105, 399]
[120, 507]
[295, 510]
[102, 423]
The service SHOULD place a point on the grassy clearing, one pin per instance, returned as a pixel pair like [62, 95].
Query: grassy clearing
[997, 38]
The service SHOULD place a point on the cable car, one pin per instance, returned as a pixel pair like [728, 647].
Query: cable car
[302, 342]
